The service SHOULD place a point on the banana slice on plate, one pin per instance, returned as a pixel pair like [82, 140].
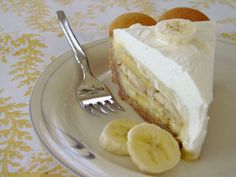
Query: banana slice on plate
[175, 31]
[152, 149]
[114, 136]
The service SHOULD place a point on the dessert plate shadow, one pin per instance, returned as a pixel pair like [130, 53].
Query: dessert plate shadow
[71, 135]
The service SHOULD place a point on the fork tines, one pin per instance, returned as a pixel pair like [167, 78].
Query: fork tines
[102, 105]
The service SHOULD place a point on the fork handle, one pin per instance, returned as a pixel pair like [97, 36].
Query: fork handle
[74, 43]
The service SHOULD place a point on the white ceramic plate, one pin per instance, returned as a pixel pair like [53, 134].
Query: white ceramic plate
[71, 135]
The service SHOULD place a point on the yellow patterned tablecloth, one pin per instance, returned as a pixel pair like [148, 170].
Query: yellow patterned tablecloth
[30, 38]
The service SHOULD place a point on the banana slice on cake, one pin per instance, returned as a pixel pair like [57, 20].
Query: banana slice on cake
[152, 149]
[175, 31]
[114, 136]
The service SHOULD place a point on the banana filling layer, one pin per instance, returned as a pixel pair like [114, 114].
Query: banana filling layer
[151, 100]
[139, 88]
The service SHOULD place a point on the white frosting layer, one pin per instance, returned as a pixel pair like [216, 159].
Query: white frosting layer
[184, 72]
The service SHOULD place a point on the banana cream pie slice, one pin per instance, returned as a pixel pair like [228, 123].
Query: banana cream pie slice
[165, 71]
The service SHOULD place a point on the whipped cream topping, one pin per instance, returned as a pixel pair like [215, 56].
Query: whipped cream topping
[184, 72]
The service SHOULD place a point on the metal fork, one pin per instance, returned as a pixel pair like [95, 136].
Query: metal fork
[92, 94]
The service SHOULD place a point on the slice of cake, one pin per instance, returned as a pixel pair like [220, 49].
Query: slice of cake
[165, 71]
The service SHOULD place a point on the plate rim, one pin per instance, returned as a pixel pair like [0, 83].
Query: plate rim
[64, 56]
